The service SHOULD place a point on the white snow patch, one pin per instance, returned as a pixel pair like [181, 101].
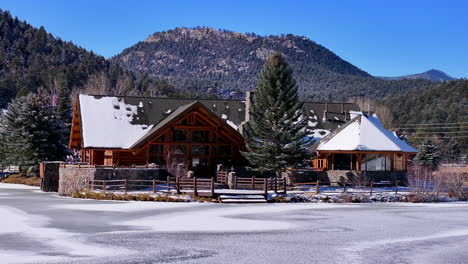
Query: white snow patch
[353, 114]
[17, 186]
[16, 221]
[316, 133]
[127, 206]
[107, 122]
[223, 116]
[140, 104]
[223, 219]
[232, 124]
[168, 111]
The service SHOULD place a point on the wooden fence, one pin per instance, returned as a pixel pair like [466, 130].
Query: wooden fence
[370, 187]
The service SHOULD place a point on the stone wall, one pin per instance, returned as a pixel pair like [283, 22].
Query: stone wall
[72, 179]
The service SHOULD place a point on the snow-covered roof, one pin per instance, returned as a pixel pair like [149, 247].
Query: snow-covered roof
[362, 133]
[109, 122]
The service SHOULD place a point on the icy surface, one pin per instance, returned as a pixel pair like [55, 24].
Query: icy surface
[43, 228]
[107, 122]
[17, 186]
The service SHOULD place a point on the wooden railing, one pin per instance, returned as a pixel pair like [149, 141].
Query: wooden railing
[222, 176]
[65, 165]
[370, 187]
[124, 185]
[278, 185]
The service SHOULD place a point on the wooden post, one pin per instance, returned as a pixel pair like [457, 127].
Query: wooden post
[177, 185]
[396, 186]
[284, 185]
[265, 187]
[333, 161]
[235, 181]
[154, 186]
[344, 187]
[276, 184]
[371, 187]
[168, 180]
[104, 185]
[125, 185]
[253, 183]
[212, 186]
[195, 192]
[317, 187]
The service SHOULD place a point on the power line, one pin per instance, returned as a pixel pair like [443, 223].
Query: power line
[442, 137]
[442, 132]
[436, 127]
[433, 124]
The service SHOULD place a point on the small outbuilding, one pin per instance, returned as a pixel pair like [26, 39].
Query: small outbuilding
[362, 144]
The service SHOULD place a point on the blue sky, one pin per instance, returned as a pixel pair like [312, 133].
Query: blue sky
[384, 38]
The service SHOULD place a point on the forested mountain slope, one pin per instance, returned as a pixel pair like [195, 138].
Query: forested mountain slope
[222, 61]
[31, 58]
[440, 111]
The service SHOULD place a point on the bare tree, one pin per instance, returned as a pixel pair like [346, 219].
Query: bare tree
[424, 185]
[172, 166]
[97, 84]
[366, 104]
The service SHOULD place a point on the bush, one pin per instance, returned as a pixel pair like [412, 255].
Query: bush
[87, 194]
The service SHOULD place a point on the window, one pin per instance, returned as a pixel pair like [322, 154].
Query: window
[180, 135]
[199, 162]
[200, 136]
[376, 162]
[200, 150]
[223, 150]
[156, 150]
[180, 150]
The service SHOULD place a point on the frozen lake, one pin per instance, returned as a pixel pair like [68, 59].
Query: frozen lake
[38, 227]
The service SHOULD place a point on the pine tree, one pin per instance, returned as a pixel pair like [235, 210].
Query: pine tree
[452, 151]
[31, 133]
[276, 134]
[428, 154]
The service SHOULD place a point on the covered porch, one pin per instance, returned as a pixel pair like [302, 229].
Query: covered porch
[361, 160]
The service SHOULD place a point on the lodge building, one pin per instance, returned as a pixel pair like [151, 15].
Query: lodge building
[201, 133]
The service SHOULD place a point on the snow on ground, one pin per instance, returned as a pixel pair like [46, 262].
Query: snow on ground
[14, 221]
[228, 218]
[127, 206]
[17, 186]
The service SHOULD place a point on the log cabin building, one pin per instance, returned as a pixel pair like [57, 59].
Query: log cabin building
[202, 133]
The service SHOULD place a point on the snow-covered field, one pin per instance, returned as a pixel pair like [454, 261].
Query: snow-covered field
[40, 227]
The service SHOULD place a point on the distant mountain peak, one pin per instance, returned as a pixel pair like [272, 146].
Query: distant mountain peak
[432, 75]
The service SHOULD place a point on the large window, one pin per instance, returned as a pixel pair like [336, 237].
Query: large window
[376, 162]
[200, 136]
[180, 135]
[200, 150]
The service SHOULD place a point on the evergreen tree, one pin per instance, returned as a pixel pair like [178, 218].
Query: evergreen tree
[276, 134]
[428, 154]
[452, 151]
[32, 133]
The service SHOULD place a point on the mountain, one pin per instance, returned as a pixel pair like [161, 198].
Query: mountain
[444, 103]
[222, 62]
[31, 58]
[432, 75]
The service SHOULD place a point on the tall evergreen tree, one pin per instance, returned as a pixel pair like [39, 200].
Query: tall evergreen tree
[276, 134]
[32, 133]
[428, 154]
